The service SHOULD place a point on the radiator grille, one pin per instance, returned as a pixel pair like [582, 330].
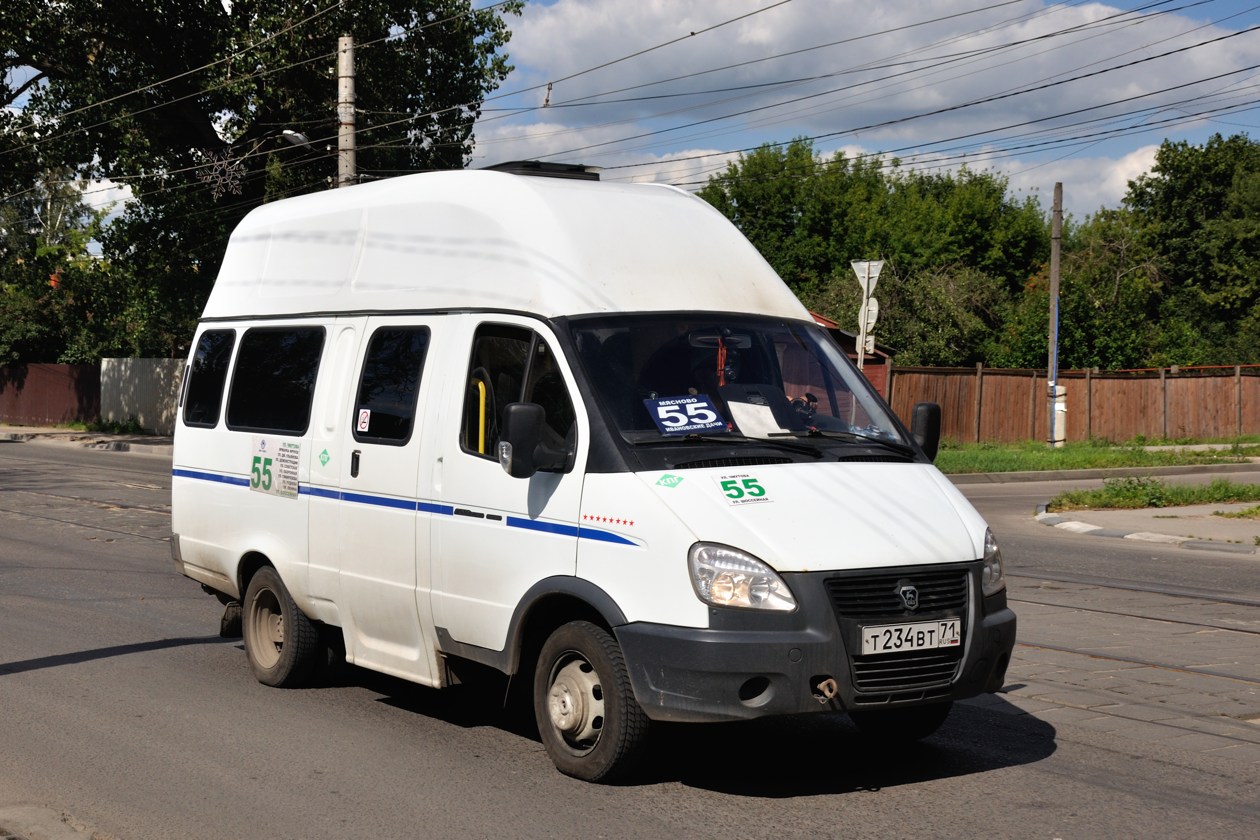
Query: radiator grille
[866, 600]
[892, 672]
[875, 596]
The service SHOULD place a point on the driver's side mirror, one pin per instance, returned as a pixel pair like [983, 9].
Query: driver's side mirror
[521, 450]
[925, 426]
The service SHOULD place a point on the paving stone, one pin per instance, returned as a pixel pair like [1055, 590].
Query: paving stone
[1249, 753]
[1064, 714]
[1198, 741]
[1151, 713]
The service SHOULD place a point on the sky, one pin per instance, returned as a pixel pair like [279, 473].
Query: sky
[1076, 92]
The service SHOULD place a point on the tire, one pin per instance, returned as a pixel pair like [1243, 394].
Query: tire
[281, 643]
[902, 725]
[588, 719]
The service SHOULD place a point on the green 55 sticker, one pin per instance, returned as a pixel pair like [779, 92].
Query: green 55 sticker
[260, 474]
[743, 489]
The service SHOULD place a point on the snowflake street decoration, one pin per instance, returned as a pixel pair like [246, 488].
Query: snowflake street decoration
[221, 171]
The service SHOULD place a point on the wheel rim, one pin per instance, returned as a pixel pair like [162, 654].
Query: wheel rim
[266, 621]
[575, 702]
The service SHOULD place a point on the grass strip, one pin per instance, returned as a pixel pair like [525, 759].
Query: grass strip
[1145, 492]
[1245, 513]
[1032, 456]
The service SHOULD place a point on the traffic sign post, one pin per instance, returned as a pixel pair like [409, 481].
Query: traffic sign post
[867, 272]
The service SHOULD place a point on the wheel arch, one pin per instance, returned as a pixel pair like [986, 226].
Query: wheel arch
[546, 605]
[249, 565]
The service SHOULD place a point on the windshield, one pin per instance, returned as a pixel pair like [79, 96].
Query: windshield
[667, 376]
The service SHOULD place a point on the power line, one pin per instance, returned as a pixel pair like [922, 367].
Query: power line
[934, 112]
[941, 61]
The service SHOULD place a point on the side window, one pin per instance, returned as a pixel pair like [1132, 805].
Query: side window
[545, 386]
[386, 405]
[511, 364]
[274, 380]
[206, 377]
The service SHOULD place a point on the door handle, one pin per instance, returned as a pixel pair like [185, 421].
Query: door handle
[354, 464]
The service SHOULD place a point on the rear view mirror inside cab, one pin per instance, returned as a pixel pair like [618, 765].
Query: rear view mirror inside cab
[719, 338]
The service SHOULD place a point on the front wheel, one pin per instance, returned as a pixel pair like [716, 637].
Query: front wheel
[590, 724]
[902, 725]
[281, 643]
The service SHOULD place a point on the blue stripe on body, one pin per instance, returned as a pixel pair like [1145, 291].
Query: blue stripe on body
[539, 525]
[558, 528]
[235, 481]
[379, 501]
[596, 534]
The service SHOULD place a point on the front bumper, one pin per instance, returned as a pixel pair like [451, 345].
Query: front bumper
[750, 664]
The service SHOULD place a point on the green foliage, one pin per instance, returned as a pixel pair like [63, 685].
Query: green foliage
[1200, 213]
[955, 247]
[130, 426]
[1109, 296]
[46, 271]
[1172, 277]
[185, 102]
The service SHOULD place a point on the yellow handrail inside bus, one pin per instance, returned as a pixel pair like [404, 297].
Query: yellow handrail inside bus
[481, 417]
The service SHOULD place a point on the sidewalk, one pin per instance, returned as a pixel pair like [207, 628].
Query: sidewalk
[137, 444]
[1191, 526]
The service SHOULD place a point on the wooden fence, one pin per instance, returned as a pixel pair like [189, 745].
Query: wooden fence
[48, 394]
[998, 405]
[977, 404]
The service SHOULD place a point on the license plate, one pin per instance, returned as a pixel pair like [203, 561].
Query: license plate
[922, 635]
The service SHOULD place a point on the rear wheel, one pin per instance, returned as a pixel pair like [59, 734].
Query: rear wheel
[589, 721]
[281, 643]
[902, 725]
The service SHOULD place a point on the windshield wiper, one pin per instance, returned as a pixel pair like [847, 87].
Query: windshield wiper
[802, 448]
[854, 437]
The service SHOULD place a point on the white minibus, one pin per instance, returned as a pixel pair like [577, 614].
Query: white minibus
[581, 433]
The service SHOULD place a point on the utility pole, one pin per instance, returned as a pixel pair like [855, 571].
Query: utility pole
[345, 111]
[1055, 429]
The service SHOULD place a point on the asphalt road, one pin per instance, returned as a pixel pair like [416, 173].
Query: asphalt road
[122, 712]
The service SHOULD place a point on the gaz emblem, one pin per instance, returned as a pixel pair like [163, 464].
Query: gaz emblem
[909, 597]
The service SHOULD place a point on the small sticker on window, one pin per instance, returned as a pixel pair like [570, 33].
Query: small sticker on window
[365, 419]
[687, 415]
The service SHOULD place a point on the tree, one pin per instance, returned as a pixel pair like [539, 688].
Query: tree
[185, 102]
[956, 248]
[1200, 214]
[45, 265]
[1110, 289]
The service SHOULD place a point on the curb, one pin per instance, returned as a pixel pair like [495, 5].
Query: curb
[1078, 527]
[30, 822]
[85, 441]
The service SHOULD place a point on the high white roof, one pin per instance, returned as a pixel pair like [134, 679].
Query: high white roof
[485, 239]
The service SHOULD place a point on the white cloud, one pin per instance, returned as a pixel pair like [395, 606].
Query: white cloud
[876, 91]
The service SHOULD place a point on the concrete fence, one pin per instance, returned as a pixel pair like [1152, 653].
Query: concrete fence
[144, 389]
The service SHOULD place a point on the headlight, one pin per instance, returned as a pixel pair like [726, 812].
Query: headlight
[993, 578]
[727, 577]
